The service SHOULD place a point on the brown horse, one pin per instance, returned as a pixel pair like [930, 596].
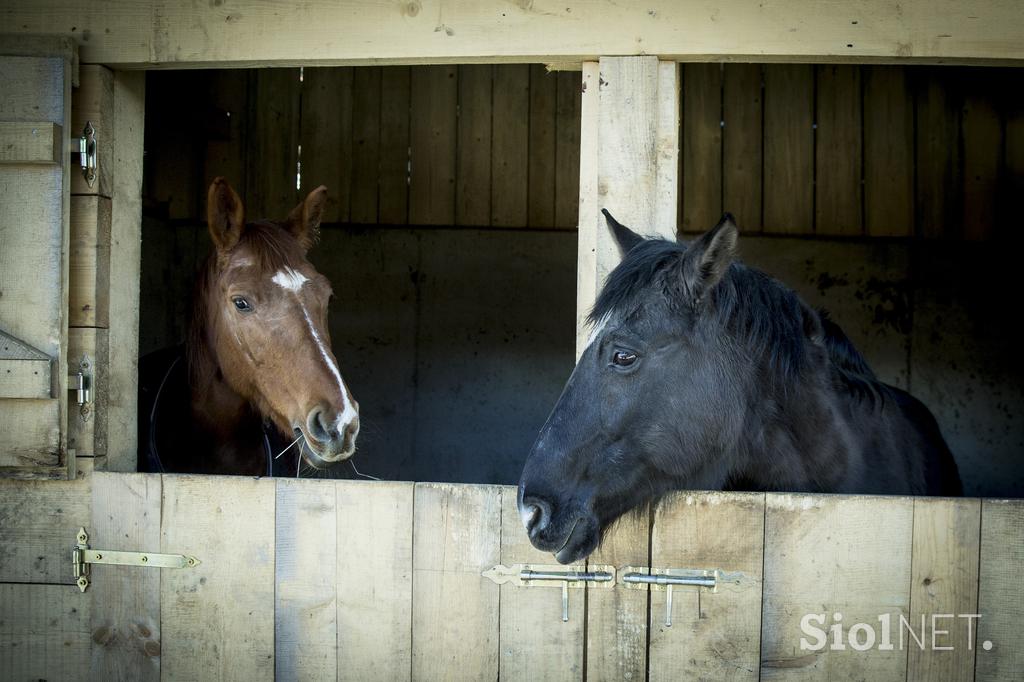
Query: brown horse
[258, 354]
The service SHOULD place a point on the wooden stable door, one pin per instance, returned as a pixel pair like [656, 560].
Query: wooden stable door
[35, 121]
[322, 579]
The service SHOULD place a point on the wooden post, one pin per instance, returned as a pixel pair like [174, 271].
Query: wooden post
[629, 151]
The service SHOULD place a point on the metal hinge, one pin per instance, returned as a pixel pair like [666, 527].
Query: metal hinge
[553, 575]
[82, 556]
[88, 159]
[81, 382]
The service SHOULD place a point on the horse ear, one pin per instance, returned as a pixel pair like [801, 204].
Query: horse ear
[225, 215]
[625, 237]
[707, 259]
[304, 220]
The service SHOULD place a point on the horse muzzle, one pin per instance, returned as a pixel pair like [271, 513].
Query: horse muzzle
[330, 437]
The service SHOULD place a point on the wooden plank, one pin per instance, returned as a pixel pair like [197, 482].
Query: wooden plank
[93, 102]
[433, 134]
[218, 618]
[456, 536]
[743, 143]
[89, 268]
[148, 32]
[326, 138]
[616, 629]
[535, 643]
[567, 150]
[789, 149]
[122, 384]
[274, 140]
[38, 524]
[305, 591]
[227, 98]
[394, 146]
[838, 152]
[32, 433]
[175, 146]
[25, 379]
[125, 623]
[89, 351]
[542, 159]
[510, 146]
[888, 152]
[944, 586]
[375, 522]
[44, 632]
[365, 143]
[588, 278]
[825, 556]
[714, 634]
[982, 134]
[1013, 161]
[33, 261]
[1000, 600]
[628, 164]
[30, 143]
[702, 147]
[473, 190]
[937, 191]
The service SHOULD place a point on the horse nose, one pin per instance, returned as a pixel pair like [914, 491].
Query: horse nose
[535, 513]
[349, 434]
[319, 427]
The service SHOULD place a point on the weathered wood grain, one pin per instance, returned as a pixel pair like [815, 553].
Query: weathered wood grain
[394, 146]
[374, 580]
[838, 151]
[456, 536]
[305, 581]
[845, 559]
[366, 102]
[44, 632]
[742, 144]
[30, 143]
[473, 191]
[543, 140]
[432, 135]
[89, 267]
[567, 150]
[271, 192]
[715, 634]
[1000, 599]
[789, 149]
[535, 643]
[944, 586]
[326, 138]
[93, 101]
[510, 146]
[888, 152]
[702, 147]
[218, 618]
[125, 620]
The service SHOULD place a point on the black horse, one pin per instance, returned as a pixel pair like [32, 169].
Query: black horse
[702, 373]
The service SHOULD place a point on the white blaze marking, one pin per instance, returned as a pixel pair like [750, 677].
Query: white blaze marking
[289, 279]
[595, 332]
[292, 281]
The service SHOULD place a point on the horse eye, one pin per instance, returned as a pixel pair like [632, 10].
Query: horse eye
[624, 358]
[241, 304]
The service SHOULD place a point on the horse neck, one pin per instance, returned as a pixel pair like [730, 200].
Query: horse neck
[799, 439]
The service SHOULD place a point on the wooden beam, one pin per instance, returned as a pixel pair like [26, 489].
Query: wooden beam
[89, 292]
[628, 164]
[30, 142]
[321, 32]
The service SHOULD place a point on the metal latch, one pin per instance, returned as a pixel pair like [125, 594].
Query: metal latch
[547, 575]
[82, 556]
[640, 577]
[87, 156]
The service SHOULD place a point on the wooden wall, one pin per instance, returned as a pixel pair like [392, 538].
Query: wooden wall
[434, 145]
[836, 150]
[355, 580]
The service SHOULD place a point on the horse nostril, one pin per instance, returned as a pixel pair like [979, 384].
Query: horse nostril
[536, 515]
[317, 426]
